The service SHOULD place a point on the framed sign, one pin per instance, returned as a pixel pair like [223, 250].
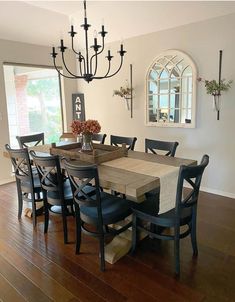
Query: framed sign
[78, 106]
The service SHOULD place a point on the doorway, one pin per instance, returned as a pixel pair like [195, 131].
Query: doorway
[33, 102]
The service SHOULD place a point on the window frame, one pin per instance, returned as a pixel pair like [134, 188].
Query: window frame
[190, 62]
[60, 82]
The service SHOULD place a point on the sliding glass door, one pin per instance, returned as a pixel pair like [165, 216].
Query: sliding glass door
[33, 102]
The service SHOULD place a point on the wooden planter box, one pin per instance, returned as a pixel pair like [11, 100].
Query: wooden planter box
[100, 154]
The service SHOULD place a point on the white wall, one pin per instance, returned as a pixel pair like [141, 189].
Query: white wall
[16, 52]
[202, 41]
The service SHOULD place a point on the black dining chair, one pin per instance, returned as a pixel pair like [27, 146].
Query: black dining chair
[98, 137]
[28, 183]
[56, 188]
[97, 211]
[30, 140]
[184, 213]
[155, 145]
[119, 140]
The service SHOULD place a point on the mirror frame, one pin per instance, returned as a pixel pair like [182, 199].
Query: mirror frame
[190, 62]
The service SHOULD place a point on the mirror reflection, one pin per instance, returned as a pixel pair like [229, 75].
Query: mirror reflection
[170, 90]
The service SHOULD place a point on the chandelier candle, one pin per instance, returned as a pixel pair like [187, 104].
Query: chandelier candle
[88, 65]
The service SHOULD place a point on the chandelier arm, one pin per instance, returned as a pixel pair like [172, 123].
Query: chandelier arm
[94, 55]
[80, 67]
[111, 75]
[102, 47]
[105, 76]
[63, 75]
[74, 75]
[77, 53]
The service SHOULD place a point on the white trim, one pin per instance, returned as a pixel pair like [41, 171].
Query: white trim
[6, 181]
[218, 192]
[213, 191]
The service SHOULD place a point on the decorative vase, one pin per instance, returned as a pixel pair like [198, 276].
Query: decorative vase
[216, 102]
[87, 142]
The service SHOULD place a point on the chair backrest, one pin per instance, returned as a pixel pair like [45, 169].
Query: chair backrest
[80, 177]
[193, 176]
[154, 145]
[30, 140]
[119, 140]
[22, 166]
[49, 171]
[98, 137]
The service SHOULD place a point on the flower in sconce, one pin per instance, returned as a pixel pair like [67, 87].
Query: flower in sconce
[215, 88]
[85, 127]
[123, 92]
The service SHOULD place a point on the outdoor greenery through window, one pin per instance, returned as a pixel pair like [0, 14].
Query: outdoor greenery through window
[33, 102]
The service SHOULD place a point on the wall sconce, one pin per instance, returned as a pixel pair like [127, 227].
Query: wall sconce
[215, 88]
[127, 93]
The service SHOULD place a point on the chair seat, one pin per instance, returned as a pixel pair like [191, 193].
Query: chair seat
[68, 194]
[114, 209]
[150, 207]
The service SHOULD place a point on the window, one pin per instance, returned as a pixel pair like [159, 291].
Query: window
[33, 102]
[171, 91]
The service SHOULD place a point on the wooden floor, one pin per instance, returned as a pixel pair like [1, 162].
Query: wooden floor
[34, 267]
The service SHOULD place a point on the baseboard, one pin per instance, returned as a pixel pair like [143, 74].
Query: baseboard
[217, 192]
[6, 181]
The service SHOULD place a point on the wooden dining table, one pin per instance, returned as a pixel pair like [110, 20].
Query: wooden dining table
[134, 184]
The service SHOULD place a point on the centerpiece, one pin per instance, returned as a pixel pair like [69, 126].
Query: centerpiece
[87, 129]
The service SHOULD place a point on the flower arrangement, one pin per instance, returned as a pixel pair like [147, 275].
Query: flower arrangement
[85, 127]
[124, 92]
[214, 88]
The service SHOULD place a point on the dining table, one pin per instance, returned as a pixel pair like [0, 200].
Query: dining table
[133, 176]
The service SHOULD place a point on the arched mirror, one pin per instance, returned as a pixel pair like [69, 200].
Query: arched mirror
[171, 91]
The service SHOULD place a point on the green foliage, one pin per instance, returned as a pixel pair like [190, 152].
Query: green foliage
[48, 88]
[48, 119]
[215, 88]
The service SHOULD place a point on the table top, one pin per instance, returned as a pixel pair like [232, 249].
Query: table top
[134, 185]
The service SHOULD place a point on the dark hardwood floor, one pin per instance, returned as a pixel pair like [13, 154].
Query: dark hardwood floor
[35, 267]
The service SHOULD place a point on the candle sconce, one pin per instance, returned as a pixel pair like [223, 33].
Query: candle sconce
[127, 93]
[215, 88]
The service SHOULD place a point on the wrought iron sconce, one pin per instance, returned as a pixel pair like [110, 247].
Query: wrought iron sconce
[215, 88]
[127, 93]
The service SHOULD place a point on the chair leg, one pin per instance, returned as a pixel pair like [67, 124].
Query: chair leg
[78, 228]
[46, 212]
[72, 210]
[177, 251]
[134, 232]
[102, 258]
[34, 211]
[20, 199]
[64, 218]
[194, 234]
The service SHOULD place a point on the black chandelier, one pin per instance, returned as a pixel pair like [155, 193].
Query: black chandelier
[87, 64]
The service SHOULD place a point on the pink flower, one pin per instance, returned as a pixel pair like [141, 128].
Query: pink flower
[89, 126]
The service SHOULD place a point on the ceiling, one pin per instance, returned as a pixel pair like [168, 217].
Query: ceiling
[45, 22]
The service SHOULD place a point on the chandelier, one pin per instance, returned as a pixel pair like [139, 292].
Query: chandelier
[88, 64]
